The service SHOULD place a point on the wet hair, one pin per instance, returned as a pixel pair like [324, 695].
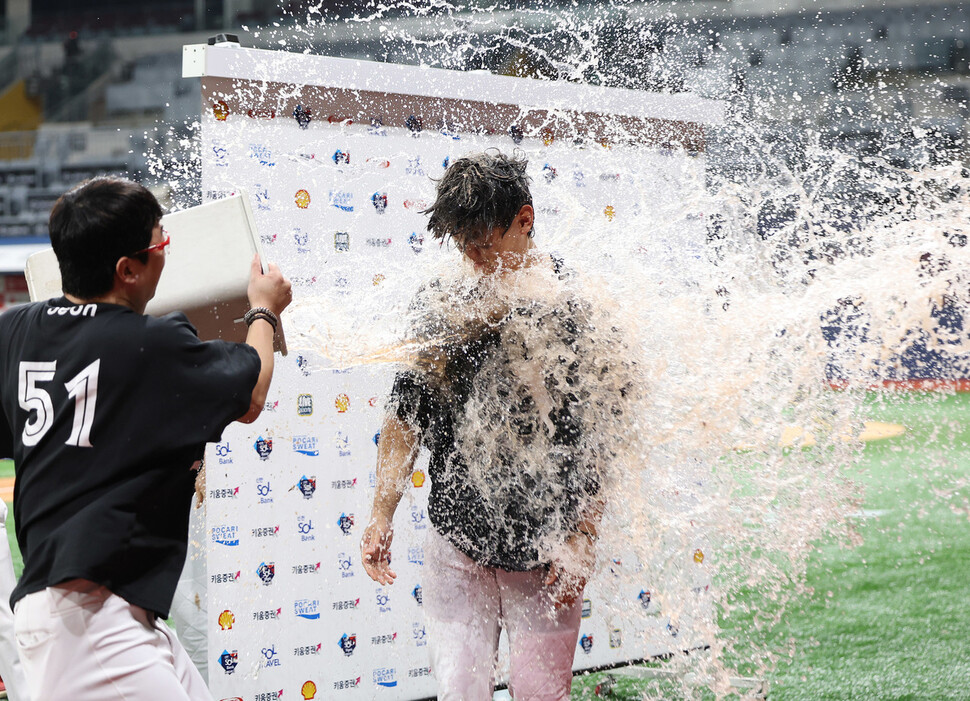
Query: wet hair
[95, 224]
[478, 193]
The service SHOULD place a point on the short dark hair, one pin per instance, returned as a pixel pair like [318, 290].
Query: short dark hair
[95, 224]
[478, 193]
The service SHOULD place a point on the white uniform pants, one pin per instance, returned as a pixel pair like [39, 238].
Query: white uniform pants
[80, 642]
[466, 606]
[10, 668]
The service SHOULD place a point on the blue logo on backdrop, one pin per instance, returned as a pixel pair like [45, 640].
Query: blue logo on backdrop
[414, 166]
[307, 608]
[264, 491]
[416, 242]
[346, 523]
[229, 660]
[348, 643]
[341, 157]
[385, 676]
[262, 198]
[263, 446]
[307, 486]
[262, 153]
[270, 654]
[221, 153]
[305, 527]
[418, 594]
[383, 601]
[380, 201]
[306, 445]
[303, 364]
[586, 642]
[266, 572]
[418, 634]
[416, 555]
[418, 518]
[346, 565]
[226, 535]
[644, 598]
[343, 201]
[302, 240]
[224, 453]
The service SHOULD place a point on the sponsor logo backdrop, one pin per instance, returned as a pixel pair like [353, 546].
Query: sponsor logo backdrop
[293, 615]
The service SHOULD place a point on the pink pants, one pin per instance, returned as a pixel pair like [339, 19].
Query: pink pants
[466, 606]
[80, 642]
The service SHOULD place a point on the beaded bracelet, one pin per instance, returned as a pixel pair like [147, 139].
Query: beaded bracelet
[261, 313]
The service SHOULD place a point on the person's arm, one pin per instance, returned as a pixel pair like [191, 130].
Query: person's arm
[397, 450]
[273, 292]
[570, 572]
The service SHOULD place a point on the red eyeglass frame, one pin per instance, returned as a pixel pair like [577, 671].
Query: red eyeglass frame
[155, 247]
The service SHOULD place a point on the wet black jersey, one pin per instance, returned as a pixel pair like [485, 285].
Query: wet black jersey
[107, 410]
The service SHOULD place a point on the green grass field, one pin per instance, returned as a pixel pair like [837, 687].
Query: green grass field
[889, 619]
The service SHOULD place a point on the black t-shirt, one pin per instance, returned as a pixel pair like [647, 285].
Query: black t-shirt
[500, 521]
[109, 410]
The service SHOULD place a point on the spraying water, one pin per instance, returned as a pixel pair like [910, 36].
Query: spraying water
[730, 452]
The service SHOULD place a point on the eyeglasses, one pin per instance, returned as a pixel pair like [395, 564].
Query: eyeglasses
[156, 247]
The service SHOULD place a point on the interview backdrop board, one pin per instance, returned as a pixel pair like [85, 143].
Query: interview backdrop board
[339, 158]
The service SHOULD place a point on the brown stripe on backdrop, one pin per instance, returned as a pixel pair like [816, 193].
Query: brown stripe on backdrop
[269, 100]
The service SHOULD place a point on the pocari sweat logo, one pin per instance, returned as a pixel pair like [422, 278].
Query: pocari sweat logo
[416, 555]
[306, 445]
[307, 608]
[226, 535]
[385, 676]
[343, 201]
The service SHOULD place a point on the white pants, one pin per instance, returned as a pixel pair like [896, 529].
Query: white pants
[466, 606]
[80, 642]
[10, 668]
[190, 605]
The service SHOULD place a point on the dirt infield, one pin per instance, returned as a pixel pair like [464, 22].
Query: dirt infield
[6, 488]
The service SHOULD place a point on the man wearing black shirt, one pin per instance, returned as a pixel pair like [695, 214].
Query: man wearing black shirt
[106, 411]
[513, 536]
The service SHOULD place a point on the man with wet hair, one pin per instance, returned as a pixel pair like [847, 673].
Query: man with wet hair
[514, 503]
[106, 412]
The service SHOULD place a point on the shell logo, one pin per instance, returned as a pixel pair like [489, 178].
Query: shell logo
[226, 619]
[548, 137]
[417, 479]
[610, 212]
[378, 279]
[220, 110]
[342, 403]
[308, 690]
[698, 556]
[302, 199]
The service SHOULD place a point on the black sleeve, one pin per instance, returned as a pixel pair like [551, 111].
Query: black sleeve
[409, 400]
[205, 385]
[6, 438]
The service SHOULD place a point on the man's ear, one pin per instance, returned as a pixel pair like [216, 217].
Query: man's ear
[127, 270]
[526, 217]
